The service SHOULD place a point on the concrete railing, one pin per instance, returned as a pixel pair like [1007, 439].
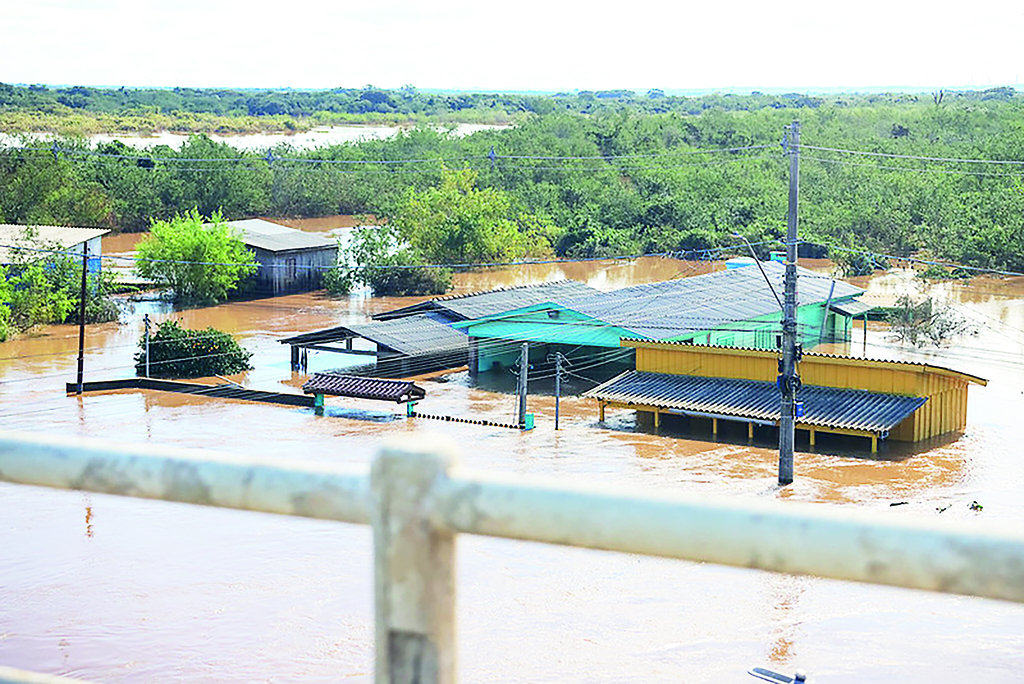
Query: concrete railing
[418, 500]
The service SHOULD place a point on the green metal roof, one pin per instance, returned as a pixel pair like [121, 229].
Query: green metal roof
[669, 310]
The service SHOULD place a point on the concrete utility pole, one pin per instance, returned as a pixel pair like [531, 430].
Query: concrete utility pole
[145, 321]
[789, 381]
[81, 317]
[559, 359]
[524, 365]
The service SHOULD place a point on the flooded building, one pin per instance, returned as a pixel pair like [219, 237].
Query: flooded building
[877, 399]
[419, 338]
[290, 260]
[735, 307]
[17, 243]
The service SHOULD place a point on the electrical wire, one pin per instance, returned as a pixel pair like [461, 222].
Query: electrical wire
[948, 172]
[909, 156]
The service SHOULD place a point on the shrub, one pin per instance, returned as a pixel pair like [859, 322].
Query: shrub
[925, 322]
[41, 290]
[381, 259]
[175, 352]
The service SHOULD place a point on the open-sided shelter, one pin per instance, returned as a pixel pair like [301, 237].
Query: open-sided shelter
[872, 398]
[419, 338]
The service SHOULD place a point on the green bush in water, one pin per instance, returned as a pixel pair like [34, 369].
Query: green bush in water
[176, 352]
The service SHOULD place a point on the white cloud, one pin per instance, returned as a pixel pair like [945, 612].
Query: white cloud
[531, 45]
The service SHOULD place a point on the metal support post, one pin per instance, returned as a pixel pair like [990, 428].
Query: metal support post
[558, 384]
[789, 380]
[81, 317]
[524, 365]
[145, 321]
[414, 565]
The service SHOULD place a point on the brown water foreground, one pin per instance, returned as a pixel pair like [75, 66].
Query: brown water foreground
[128, 590]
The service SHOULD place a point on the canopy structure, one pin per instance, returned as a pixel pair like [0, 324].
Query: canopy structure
[398, 391]
[849, 411]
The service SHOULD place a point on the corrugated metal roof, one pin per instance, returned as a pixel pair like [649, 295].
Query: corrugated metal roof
[412, 335]
[464, 307]
[860, 360]
[64, 237]
[853, 307]
[363, 388]
[273, 237]
[688, 305]
[827, 407]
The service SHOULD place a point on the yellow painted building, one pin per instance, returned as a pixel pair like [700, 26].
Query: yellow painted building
[944, 391]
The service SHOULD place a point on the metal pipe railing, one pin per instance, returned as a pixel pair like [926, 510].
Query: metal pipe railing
[301, 488]
[418, 500]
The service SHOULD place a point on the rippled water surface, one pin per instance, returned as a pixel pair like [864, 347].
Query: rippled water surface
[129, 590]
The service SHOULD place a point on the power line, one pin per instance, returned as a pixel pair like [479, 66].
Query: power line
[679, 254]
[909, 156]
[948, 172]
[915, 260]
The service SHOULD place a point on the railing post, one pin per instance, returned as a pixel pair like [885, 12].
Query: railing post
[414, 564]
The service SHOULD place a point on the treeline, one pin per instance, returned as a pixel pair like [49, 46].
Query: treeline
[607, 183]
[411, 104]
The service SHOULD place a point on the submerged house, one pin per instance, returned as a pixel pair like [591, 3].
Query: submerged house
[15, 240]
[290, 260]
[876, 399]
[727, 308]
[419, 338]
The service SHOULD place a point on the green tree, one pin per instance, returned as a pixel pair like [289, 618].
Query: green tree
[381, 259]
[176, 352]
[201, 262]
[457, 222]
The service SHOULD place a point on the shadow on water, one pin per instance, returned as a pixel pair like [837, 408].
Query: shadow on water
[361, 414]
[767, 437]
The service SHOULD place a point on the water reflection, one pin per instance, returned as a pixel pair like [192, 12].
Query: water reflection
[178, 592]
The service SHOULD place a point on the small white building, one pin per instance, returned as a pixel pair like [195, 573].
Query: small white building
[16, 241]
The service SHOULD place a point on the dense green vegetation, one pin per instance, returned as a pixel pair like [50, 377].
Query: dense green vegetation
[371, 259]
[44, 288]
[639, 181]
[201, 262]
[176, 352]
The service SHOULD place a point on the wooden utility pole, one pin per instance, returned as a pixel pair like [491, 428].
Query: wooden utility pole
[789, 381]
[524, 365]
[81, 317]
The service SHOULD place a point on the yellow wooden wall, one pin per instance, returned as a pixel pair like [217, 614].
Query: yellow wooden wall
[946, 390]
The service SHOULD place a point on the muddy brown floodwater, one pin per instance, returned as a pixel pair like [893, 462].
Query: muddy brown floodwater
[122, 590]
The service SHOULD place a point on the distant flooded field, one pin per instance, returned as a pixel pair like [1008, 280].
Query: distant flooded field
[123, 590]
[307, 140]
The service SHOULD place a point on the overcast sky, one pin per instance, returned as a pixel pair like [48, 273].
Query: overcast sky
[540, 45]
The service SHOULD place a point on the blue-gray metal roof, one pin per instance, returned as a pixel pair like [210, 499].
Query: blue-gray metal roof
[679, 307]
[827, 407]
[273, 237]
[412, 335]
[464, 307]
[852, 308]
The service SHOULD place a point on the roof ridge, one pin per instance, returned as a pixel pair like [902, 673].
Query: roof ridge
[824, 355]
[508, 288]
